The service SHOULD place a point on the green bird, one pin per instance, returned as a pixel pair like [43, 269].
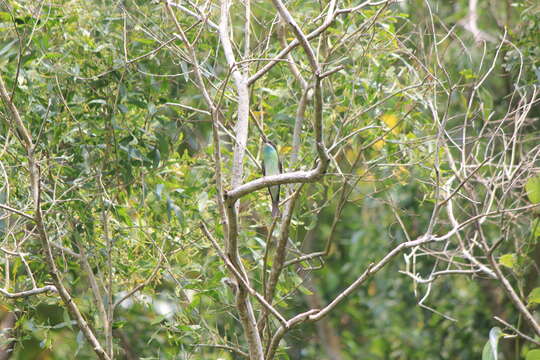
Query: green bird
[272, 166]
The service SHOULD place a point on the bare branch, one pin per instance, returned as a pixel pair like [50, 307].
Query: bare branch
[300, 36]
[514, 329]
[328, 21]
[239, 277]
[15, 211]
[197, 16]
[27, 293]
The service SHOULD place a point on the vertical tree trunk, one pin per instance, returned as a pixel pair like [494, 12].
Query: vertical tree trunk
[6, 328]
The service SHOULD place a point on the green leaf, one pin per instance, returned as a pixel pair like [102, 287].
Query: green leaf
[468, 74]
[533, 355]
[508, 260]
[533, 189]
[535, 228]
[158, 319]
[118, 324]
[97, 101]
[64, 324]
[4, 16]
[490, 349]
[122, 215]
[305, 290]
[143, 40]
[6, 48]
[534, 296]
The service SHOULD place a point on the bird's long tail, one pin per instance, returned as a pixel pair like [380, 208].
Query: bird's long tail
[275, 209]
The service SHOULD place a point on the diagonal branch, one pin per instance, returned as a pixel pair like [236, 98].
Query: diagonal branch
[317, 314]
[300, 36]
[243, 281]
[318, 31]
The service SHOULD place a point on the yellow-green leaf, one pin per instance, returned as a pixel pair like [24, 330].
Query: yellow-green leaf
[533, 355]
[391, 120]
[534, 296]
[378, 145]
[350, 155]
[508, 260]
[533, 189]
[285, 149]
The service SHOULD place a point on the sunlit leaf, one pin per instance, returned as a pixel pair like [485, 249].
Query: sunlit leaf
[508, 260]
[285, 150]
[533, 189]
[350, 155]
[378, 145]
[534, 296]
[533, 355]
[391, 120]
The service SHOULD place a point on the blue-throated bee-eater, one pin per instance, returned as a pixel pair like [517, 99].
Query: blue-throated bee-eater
[272, 166]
